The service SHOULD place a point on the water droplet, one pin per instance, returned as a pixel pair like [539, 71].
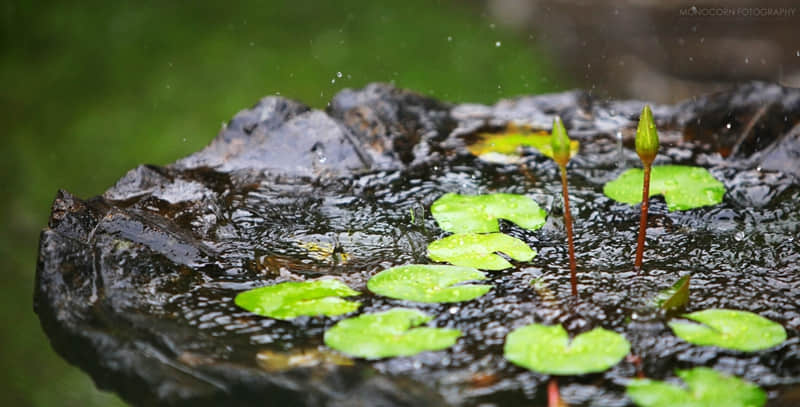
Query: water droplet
[449, 38]
[497, 44]
[333, 80]
[747, 60]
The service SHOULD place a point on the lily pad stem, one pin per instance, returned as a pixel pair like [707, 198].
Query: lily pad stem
[568, 224]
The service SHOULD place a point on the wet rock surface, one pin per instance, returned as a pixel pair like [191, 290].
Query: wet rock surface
[136, 286]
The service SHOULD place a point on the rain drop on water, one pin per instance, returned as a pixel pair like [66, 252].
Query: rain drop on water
[338, 74]
[497, 44]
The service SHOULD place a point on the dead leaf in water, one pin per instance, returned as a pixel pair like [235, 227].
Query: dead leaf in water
[279, 362]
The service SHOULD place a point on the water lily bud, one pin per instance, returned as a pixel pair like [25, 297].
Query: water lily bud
[646, 136]
[559, 141]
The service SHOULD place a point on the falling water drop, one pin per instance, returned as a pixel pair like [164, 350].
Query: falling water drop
[497, 44]
[338, 74]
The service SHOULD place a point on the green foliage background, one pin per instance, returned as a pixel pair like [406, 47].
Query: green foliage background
[92, 89]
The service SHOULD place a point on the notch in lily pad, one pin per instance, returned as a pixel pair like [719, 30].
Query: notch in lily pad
[388, 334]
[293, 299]
[729, 329]
[457, 213]
[547, 349]
[704, 387]
[428, 283]
[478, 250]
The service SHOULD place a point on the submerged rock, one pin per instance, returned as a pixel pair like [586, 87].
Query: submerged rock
[136, 286]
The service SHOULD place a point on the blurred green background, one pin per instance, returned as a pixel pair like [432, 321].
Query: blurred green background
[91, 90]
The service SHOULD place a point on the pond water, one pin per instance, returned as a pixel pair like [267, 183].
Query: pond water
[179, 253]
[740, 257]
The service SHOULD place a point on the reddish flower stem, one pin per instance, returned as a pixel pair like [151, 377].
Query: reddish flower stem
[553, 398]
[568, 223]
[637, 266]
[637, 363]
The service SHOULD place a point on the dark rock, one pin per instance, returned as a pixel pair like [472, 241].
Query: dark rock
[136, 286]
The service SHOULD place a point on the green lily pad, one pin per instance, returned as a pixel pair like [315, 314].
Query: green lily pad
[477, 250]
[706, 388]
[730, 329]
[675, 297]
[428, 283]
[683, 187]
[479, 213]
[546, 349]
[509, 143]
[293, 299]
[387, 334]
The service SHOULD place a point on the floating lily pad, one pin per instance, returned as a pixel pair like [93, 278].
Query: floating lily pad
[546, 349]
[428, 283]
[510, 143]
[479, 213]
[477, 250]
[730, 329]
[683, 187]
[387, 334]
[706, 388]
[293, 299]
[675, 297]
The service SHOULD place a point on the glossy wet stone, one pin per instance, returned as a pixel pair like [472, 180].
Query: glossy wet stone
[137, 286]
